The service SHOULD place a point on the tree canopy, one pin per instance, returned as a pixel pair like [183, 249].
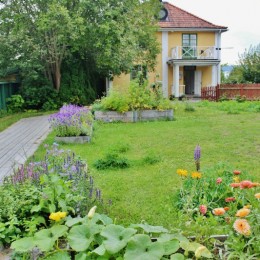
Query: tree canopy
[110, 35]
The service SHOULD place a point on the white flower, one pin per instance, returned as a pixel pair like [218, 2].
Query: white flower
[92, 212]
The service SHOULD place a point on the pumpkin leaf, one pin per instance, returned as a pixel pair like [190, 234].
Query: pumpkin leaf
[140, 247]
[177, 256]
[59, 255]
[23, 245]
[171, 247]
[80, 237]
[150, 229]
[116, 237]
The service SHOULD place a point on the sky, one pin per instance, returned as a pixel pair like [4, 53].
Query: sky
[241, 17]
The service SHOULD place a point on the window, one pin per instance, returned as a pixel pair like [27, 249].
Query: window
[142, 69]
[189, 46]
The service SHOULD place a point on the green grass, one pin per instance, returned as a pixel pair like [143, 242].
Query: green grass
[145, 190]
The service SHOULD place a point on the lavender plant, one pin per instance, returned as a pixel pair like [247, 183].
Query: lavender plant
[72, 120]
[197, 154]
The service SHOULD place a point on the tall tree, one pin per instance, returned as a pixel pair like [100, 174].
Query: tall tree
[250, 64]
[112, 35]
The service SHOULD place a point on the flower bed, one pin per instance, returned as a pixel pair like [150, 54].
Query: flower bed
[134, 116]
[72, 121]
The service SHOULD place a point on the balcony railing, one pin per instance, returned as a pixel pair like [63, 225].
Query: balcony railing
[194, 52]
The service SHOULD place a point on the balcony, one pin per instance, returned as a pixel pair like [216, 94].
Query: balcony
[194, 53]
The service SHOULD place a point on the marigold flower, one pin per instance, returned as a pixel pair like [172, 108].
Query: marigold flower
[237, 172]
[242, 212]
[219, 180]
[246, 184]
[182, 172]
[235, 185]
[242, 227]
[255, 184]
[196, 175]
[57, 216]
[218, 211]
[226, 208]
[236, 179]
[203, 209]
[257, 195]
[92, 212]
[230, 199]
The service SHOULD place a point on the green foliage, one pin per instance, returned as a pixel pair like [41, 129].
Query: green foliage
[139, 96]
[34, 191]
[15, 103]
[189, 107]
[115, 101]
[40, 97]
[250, 64]
[112, 161]
[99, 238]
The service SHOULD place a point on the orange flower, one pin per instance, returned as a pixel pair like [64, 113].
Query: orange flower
[218, 211]
[236, 172]
[242, 227]
[230, 199]
[226, 208]
[196, 175]
[257, 195]
[255, 184]
[242, 212]
[248, 206]
[246, 184]
[235, 185]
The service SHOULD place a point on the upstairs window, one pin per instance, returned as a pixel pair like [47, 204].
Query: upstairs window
[137, 70]
[189, 45]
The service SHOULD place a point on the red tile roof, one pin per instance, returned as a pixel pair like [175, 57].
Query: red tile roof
[179, 18]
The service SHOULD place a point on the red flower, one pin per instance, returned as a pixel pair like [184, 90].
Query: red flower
[236, 172]
[203, 209]
[246, 184]
[219, 180]
[230, 199]
[235, 185]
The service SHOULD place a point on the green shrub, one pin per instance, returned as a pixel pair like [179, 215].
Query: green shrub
[189, 107]
[112, 161]
[15, 103]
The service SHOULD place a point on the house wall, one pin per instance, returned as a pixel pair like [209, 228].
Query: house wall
[174, 39]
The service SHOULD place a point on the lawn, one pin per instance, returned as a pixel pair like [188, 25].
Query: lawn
[228, 133]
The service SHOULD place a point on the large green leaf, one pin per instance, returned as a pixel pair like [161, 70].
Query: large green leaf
[168, 237]
[177, 256]
[101, 218]
[83, 256]
[73, 221]
[44, 240]
[150, 229]
[58, 231]
[171, 247]
[140, 247]
[101, 250]
[23, 245]
[116, 237]
[59, 255]
[80, 237]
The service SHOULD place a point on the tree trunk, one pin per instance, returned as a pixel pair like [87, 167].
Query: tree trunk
[57, 76]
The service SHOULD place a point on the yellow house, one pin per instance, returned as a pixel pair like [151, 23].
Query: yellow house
[190, 54]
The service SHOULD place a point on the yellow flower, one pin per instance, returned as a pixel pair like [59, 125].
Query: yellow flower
[57, 216]
[248, 206]
[182, 172]
[242, 227]
[242, 212]
[257, 195]
[236, 179]
[196, 175]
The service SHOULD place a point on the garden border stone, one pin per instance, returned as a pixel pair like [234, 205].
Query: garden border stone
[133, 116]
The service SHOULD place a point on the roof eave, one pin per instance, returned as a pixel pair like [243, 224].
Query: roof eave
[189, 29]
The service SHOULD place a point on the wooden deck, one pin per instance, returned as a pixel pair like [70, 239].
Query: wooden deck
[20, 141]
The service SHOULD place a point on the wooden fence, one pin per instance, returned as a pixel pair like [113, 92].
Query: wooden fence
[231, 91]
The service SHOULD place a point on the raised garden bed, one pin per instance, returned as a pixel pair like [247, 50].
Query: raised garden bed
[134, 116]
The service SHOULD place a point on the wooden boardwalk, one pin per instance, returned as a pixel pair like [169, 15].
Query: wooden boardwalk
[20, 141]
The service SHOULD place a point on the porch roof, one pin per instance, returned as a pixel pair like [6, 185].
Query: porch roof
[181, 19]
[182, 62]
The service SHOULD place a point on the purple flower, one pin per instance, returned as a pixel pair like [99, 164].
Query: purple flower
[197, 152]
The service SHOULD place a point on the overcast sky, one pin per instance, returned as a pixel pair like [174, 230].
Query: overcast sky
[241, 17]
